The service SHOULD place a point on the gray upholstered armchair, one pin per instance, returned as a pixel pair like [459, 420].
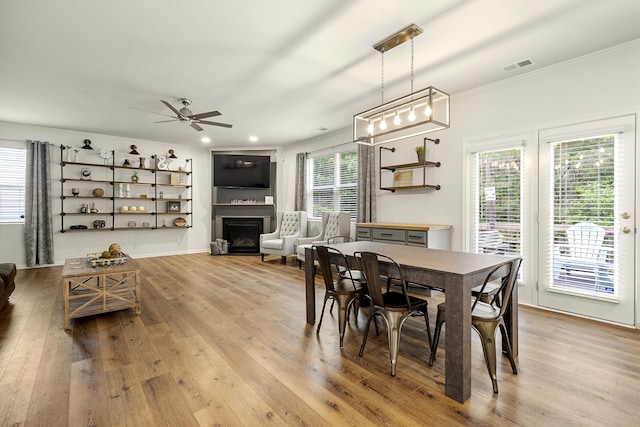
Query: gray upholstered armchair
[333, 224]
[290, 227]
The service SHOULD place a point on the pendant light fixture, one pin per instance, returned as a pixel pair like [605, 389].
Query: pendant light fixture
[420, 112]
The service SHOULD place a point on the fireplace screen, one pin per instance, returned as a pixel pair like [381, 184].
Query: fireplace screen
[243, 234]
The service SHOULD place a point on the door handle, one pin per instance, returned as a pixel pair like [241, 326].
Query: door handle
[625, 215]
[626, 230]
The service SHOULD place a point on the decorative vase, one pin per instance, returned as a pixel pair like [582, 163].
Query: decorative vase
[420, 157]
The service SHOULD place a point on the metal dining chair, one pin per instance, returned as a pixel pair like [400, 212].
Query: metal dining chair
[486, 318]
[339, 287]
[394, 307]
[353, 274]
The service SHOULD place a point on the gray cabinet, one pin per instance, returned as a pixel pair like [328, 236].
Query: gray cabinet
[435, 236]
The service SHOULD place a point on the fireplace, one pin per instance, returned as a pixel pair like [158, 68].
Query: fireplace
[243, 234]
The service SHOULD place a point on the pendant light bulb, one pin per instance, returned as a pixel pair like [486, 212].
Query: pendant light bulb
[412, 115]
[427, 110]
[383, 124]
[370, 128]
[396, 119]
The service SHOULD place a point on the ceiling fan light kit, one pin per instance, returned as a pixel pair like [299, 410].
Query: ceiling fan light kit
[194, 120]
[420, 112]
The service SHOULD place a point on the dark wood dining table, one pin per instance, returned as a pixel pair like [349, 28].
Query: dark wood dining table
[454, 272]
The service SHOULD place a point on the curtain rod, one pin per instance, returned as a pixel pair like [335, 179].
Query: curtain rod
[26, 140]
[329, 148]
[13, 140]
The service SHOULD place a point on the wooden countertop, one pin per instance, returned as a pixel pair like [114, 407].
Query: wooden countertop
[422, 227]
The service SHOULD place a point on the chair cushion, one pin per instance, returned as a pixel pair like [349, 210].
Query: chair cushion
[300, 251]
[273, 244]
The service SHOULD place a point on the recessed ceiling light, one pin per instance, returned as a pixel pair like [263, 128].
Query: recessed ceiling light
[253, 138]
[205, 139]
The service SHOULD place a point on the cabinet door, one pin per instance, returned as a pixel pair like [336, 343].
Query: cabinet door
[363, 233]
[388, 235]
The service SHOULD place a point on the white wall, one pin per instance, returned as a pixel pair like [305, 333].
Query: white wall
[137, 243]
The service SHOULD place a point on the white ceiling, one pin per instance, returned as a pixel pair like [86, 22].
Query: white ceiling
[278, 69]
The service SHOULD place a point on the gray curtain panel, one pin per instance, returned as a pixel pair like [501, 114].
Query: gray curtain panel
[366, 184]
[301, 170]
[38, 224]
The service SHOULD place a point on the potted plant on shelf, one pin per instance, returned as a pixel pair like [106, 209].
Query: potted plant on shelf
[420, 153]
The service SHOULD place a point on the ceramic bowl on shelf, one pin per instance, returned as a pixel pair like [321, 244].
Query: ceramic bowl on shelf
[180, 222]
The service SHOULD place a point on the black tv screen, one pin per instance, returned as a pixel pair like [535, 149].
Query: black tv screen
[237, 170]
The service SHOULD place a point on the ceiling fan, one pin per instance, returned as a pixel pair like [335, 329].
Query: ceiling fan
[186, 115]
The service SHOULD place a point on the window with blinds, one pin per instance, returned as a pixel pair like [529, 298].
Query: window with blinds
[497, 187]
[332, 183]
[12, 184]
[583, 214]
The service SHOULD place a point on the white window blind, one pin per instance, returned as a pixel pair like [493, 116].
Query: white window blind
[583, 214]
[496, 191]
[12, 184]
[332, 183]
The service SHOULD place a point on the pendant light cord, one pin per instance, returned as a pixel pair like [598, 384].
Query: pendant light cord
[382, 75]
[412, 75]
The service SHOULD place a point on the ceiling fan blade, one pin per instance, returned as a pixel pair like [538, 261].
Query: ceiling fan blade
[166, 121]
[172, 108]
[205, 122]
[205, 115]
[196, 127]
[152, 112]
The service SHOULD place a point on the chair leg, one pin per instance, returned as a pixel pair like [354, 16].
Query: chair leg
[284, 260]
[299, 265]
[436, 336]
[426, 320]
[372, 315]
[503, 330]
[395, 320]
[487, 332]
[344, 301]
[326, 297]
[262, 257]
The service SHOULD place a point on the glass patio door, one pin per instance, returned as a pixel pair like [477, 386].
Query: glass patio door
[586, 219]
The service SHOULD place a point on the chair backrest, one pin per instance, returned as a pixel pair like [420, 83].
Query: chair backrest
[292, 223]
[369, 263]
[508, 281]
[337, 224]
[328, 267]
[585, 241]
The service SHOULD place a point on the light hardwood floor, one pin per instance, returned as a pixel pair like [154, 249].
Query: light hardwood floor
[223, 341]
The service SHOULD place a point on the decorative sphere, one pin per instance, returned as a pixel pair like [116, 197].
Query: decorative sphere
[133, 208]
[140, 208]
[124, 209]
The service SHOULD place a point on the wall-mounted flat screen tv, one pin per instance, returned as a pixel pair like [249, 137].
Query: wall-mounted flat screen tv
[237, 170]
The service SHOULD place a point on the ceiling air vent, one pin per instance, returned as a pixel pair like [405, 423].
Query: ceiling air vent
[519, 64]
